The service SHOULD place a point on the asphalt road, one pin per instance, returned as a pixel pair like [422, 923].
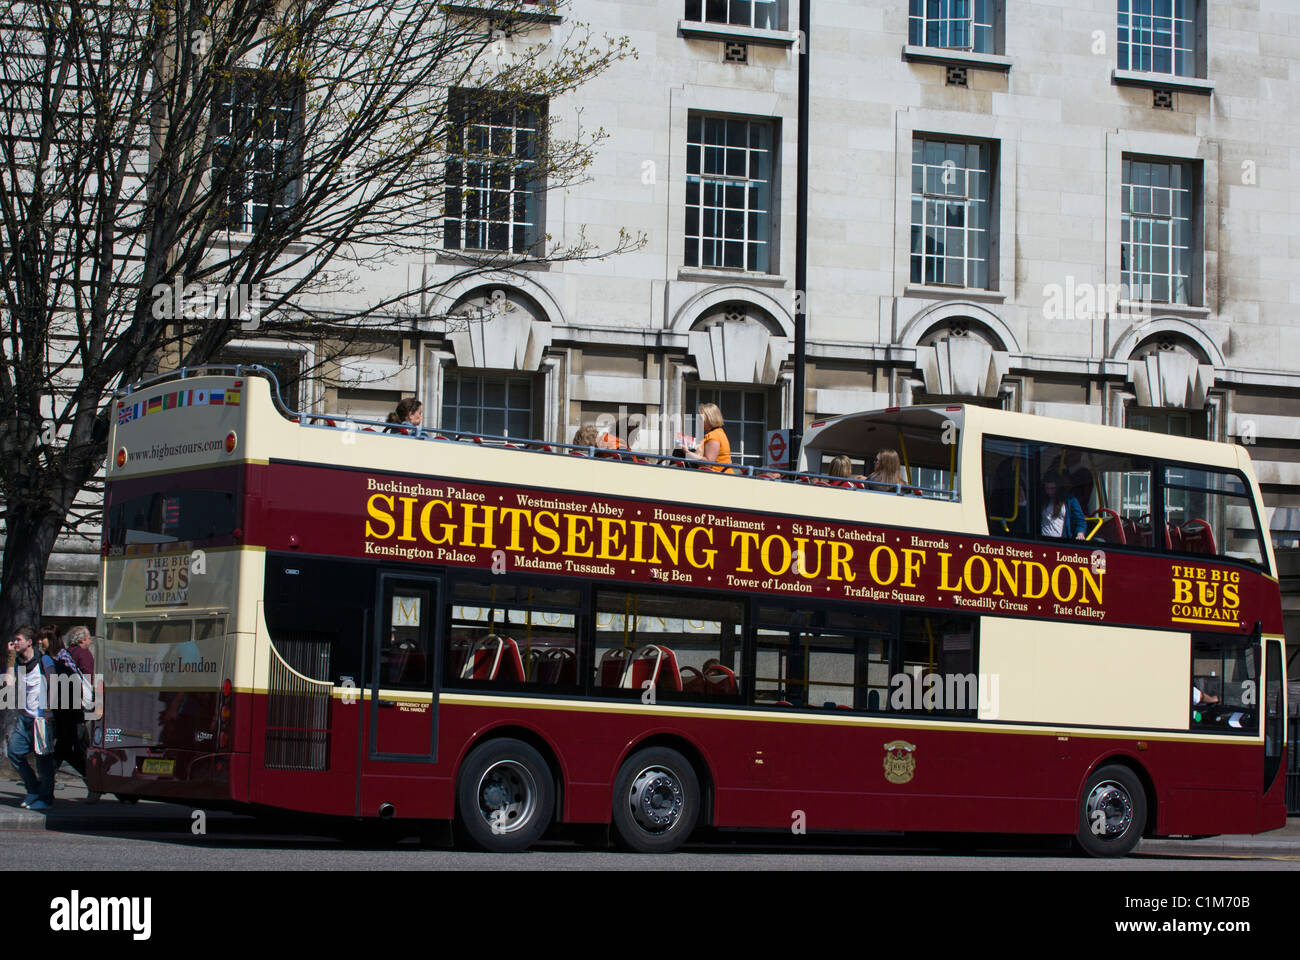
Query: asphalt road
[238, 843]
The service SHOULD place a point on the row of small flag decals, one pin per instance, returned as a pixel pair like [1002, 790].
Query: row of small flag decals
[126, 412]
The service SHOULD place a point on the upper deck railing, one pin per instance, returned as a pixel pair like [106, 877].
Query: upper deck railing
[319, 421]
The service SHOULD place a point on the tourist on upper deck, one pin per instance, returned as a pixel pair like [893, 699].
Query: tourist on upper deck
[842, 466]
[715, 451]
[409, 413]
[888, 473]
[588, 435]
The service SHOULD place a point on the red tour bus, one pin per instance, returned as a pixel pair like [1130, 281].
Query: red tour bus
[1045, 628]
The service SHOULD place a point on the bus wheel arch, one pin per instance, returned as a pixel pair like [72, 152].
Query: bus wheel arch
[659, 795]
[688, 749]
[516, 769]
[1116, 807]
[1144, 777]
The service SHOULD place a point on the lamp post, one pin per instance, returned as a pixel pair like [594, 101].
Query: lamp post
[801, 236]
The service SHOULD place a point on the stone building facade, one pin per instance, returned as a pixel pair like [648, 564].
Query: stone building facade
[1082, 209]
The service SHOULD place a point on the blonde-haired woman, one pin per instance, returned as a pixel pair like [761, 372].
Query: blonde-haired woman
[889, 472]
[716, 449]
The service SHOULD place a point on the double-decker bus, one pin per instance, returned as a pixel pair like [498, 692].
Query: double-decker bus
[1046, 627]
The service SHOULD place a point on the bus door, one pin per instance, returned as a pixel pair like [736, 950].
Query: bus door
[400, 737]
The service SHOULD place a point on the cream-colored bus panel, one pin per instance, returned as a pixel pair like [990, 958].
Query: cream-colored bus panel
[251, 670]
[1080, 674]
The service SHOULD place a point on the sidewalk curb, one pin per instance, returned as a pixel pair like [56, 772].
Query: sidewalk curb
[74, 814]
[1244, 845]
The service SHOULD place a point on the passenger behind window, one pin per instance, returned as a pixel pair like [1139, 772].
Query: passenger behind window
[888, 474]
[1062, 516]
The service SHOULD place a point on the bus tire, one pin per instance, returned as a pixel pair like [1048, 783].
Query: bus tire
[505, 796]
[1112, 812]
[656, 801]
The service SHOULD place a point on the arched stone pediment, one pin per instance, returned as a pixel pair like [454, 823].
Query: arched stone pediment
[1139, 333]
[1171, 363]
[736, 342]
[961, 349]
[999, 335]
[775, 313]
[497, 327]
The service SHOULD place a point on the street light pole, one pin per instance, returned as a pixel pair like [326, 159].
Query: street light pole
[801, 236]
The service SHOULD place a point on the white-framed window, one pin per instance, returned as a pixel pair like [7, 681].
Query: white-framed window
[257, 147]
[952, 24]
[492, 404]
[759, 14]
[493, 185]
[951, 190]
[1158, 230]
[729, 195]
[1158, 36]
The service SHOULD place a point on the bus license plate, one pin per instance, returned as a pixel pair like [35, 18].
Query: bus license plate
[154, 765]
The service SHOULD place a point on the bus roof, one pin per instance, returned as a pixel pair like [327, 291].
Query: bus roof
[827, 434]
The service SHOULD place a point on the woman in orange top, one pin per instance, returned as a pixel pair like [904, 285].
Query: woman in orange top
[716, 448]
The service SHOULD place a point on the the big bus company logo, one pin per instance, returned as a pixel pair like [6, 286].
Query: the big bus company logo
[1205, 596]
[900, 761]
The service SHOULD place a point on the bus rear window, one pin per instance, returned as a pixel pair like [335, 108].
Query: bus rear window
[170, 516]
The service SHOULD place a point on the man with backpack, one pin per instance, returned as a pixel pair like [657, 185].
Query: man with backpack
[33, 735]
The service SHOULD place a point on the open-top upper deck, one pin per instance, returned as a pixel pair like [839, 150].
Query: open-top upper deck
[224, 414]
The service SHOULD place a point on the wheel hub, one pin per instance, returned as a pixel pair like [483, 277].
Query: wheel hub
[507, 796]
[656, 799]
[1109, 810]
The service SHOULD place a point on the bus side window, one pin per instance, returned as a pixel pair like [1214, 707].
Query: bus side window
[1048, 491]
[1007, 473]
[1224, 693]
[665, 646]
[510, 635]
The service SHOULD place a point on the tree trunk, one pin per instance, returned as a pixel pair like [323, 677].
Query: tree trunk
[29, 540]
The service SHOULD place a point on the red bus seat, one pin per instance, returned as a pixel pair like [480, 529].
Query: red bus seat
[655, 664]
[493, 658]
[692, 680]
[553, 666]
[1112, 527]
[1198, 537]
[720, 679]
[613, 664]
[456, 659]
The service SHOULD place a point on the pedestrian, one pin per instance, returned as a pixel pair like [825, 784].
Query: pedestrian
[33, 734]
[78, 644]
[70, 718]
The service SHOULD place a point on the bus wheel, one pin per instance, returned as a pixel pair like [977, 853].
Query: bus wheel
[505, 796]
[656, 801]
[1113, 812]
